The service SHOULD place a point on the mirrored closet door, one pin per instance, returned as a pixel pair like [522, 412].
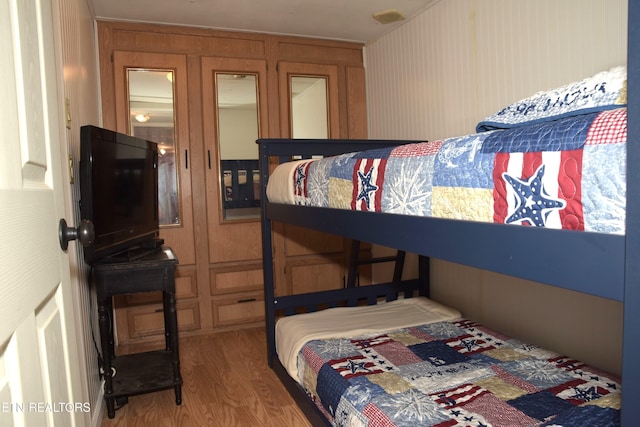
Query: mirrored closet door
[309, 103]
[309, 108]
[151, 103]
[234, 115]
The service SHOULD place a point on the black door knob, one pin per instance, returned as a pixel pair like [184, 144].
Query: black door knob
[84, 233]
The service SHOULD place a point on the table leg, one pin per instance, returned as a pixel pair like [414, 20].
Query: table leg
[104, 322]
[171, 321]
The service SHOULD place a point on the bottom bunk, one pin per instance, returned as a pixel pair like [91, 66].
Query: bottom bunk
[413, 362]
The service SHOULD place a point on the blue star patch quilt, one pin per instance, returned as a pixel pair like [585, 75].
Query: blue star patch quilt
[568, 173]
[453, 373]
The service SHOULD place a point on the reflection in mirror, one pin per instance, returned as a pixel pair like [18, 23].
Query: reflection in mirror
[151, 117]
[237, 107]
[309, 115]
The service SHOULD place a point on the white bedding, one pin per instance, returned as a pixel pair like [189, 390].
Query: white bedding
[293, 332]
[280, 187]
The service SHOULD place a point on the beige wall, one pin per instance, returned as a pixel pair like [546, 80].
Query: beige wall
[461, 60]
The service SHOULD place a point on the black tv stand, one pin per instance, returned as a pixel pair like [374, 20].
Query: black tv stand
[142, 372]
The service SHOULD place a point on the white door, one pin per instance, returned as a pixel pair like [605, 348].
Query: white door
[39, 376]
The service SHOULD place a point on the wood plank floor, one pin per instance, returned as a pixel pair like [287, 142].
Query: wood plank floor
[227, 383]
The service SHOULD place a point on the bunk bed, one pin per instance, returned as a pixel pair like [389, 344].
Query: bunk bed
[240, 186]
[605, 261]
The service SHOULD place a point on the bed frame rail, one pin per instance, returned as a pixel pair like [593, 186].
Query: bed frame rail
[524, 252]
[276, 307]
[350, 297]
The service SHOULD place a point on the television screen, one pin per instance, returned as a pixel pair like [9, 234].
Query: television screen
[119, 191]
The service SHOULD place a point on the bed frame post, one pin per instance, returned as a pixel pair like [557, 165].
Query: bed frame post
[424, 275]
[267, 255]
[631, 325]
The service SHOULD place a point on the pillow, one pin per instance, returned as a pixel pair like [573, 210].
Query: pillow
[604, 91]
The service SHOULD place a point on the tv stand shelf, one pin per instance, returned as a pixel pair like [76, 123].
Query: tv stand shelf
[142, 373]
[146, 372]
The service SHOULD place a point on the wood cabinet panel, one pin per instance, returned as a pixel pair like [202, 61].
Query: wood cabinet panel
[301, 241]
[313, 274]
[238, 309]
[226, 256]
[186, 283]
[194, 44]
[356, 103]
[230, 280]
[309, 52]
[148, 320]
[235, 242]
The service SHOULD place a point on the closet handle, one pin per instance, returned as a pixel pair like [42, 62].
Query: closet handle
[209, 158]
[186, 159]
[240, 301]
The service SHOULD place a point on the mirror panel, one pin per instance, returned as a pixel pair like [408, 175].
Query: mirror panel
[309, 113]
[238, 129]
[152, 117]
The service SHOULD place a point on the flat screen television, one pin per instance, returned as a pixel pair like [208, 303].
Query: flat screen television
[118, 192]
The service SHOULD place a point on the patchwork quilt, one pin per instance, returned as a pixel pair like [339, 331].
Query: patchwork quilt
[567, 173]
[453, 373]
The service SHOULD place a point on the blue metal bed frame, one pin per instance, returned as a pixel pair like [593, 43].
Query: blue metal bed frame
[605, 265]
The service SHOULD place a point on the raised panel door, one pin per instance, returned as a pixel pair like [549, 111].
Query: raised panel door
[151, 99]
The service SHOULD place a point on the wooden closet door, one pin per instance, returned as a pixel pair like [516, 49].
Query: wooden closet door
[140, 315]
[309, 260]
[179, 232]
[234, 93]
[230, 240]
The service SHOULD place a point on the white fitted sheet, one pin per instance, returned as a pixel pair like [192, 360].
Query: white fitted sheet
[292, 332]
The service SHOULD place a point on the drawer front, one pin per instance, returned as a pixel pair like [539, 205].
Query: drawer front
[116, 280]
[238, 309]
[186, 287]
[226, 281]
[148, 320]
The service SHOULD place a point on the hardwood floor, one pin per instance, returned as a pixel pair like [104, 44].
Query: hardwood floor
[226, 383]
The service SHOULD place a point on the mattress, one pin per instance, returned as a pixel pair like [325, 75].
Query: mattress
[555, 160]
[293, 332]
[452, 372]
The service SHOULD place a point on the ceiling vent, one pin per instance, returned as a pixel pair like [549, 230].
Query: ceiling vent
[388, 16]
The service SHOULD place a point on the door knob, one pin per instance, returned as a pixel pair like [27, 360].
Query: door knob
[84, 233]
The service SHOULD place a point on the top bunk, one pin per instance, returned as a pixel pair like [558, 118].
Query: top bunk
[575, 241]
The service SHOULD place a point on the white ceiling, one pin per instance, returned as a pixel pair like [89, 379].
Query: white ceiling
[349, 20]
